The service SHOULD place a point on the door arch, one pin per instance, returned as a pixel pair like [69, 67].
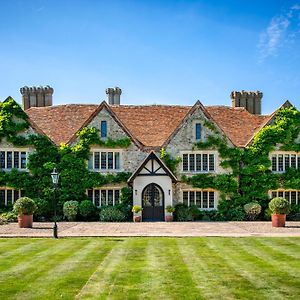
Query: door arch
[153, 203]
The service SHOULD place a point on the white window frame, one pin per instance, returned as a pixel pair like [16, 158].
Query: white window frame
[209, 152]
[5, 189]
[26, 150]
[283, 153]
[201, 191]
[286, 191]
[106, 189]
[92, 154]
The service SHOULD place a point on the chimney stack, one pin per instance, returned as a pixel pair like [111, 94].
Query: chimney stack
[113, 95]
[36, 96]
[249, 100]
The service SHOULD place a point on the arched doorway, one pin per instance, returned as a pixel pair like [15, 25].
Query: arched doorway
[153, 203]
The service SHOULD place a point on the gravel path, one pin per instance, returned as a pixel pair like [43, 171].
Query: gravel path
[174, 229]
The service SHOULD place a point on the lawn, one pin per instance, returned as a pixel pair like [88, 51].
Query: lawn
[150, 268]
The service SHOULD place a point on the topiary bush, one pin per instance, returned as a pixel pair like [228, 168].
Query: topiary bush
[70, 210]
[25, 206]
[182, 213]
[111, 214]
[279, 206]
[252, 210]
[87, 209]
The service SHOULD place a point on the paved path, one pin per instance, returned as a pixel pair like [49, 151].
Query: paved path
[174, 229]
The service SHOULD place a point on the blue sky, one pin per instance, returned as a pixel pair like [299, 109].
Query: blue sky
[163, 52]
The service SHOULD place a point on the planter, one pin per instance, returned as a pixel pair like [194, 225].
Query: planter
[169, 218]
[278, 220]
[25, 221]
[137, 218]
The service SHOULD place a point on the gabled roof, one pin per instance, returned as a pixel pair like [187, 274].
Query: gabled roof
[149, 126]
[152, 156]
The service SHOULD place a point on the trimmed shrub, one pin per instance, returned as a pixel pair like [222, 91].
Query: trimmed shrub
[24, 206]
[294, 214]
[111, 214]
[126, 210]
[279, 205]
[136, 209]
[252, 210]
[170, 209]
[87, 208]
[195, 213]
[70, 210]
[42, 207]
[182, 213]
[10, 216]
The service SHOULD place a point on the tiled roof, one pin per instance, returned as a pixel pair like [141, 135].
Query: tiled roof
[151, 125]
[238, 124]
[60, 122]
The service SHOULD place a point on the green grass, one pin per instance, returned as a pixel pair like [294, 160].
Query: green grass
[150, 268]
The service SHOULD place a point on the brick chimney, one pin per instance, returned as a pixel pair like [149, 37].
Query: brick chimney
[40, 96]
[113, 95]
[249, 100]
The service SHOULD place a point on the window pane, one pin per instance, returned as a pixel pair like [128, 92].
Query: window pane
[110, 160]
[9, 160]
[298, 161]
[185, 163]
[211, 162]
[90, 194]
[16, 160]
[117, 197]
[205, 162]
[192, 198]
[97, 198]
[286, 161]
[90, 161]
[103, 160]
[23, 160]
[110, 197]
[198, 131]
[96, 160]
[287, 195]
[103, 197]
[280, 194]
[274, 163]
[298, 199]
[293, 161]
[185, 198]
[280, 162]
[205, 199]
[198, 199]
[2, 159]
[293, 197]
[2, 197]
[211, 199]
[16, 195]
[117, 160]
[192, 162]
[9, 196]
[198, 162]
[274, 194]
[103, 129]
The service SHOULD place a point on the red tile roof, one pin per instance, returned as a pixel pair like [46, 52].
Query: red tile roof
[151, 125]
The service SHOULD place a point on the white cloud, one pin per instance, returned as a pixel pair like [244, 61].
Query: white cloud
[277, 33]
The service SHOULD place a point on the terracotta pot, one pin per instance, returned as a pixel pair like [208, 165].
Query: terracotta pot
[169, 218]
[25, 221]
[137, 218]
[278, 220]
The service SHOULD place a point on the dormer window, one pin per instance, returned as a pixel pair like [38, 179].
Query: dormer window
[198, 131]
[103, 129]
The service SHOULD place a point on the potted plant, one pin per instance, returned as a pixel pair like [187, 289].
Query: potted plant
[25, 208]
[137, 213]
[279, 207]
[169, 216]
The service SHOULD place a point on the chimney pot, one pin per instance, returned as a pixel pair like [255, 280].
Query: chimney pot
[248, 100]
[113, 95]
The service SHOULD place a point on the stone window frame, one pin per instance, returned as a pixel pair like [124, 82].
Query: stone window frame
[284, 154]
[116, 193]
[13, 150]
[200, 191]
[91, 166]
[208, 152]
[7, 189]
[287, 194]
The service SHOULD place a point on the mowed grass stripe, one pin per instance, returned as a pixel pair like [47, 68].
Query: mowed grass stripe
[258, 271]
[65, 278]
[116, 266]
[208, 270]
[36, 266]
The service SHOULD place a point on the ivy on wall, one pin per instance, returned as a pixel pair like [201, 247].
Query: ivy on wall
[71, 161]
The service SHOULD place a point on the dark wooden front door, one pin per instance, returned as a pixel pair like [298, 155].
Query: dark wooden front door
[153, 203]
